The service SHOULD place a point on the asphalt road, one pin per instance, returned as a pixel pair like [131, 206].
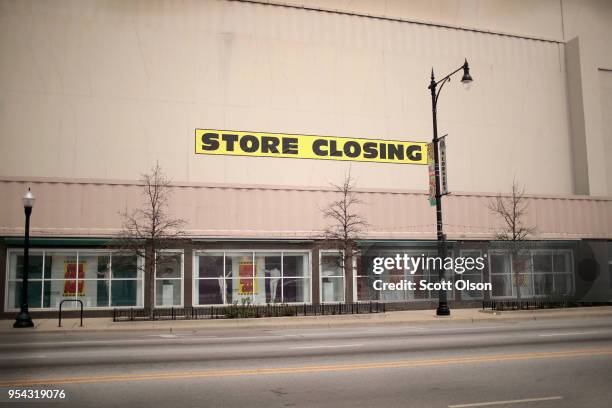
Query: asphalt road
[539, 364]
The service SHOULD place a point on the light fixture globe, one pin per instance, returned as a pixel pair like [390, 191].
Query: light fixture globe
[28, 199]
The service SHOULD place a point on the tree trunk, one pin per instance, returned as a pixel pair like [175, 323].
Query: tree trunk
[150, 280]
[517, 273]
[348, 274]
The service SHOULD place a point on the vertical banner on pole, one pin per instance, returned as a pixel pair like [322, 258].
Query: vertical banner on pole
[432, 174]
[442, 153]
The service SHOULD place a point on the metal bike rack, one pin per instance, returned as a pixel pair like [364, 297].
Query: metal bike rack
[60, 310]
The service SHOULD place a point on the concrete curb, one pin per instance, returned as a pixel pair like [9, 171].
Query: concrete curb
[422, 317]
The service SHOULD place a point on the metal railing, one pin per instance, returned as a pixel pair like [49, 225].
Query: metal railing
[59, 323]
[528, 304]
[247, 311]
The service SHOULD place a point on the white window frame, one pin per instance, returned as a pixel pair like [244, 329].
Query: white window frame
[552, 253]
[182, 278]
[512, 286]
[340, 253]
[531, 273]
[43, 252]
[460, 276]
[195, 279]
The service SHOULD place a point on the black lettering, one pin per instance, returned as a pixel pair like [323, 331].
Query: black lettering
[414, 152]
[396, 152]
[269, 144]
[317, 147]
[383, 151]
[369, 150]
[210, 142]
[249, 144]
[333, 149]
[352, 149]
[229, 140]
[290, 145]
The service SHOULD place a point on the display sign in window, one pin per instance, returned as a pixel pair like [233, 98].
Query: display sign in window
[252, 277]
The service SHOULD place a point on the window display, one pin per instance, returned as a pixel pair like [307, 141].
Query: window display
[99, 279]
[366, 277]
[169, 279]
[332, 277]
[473, 276]
[535, 273]
[247, 277]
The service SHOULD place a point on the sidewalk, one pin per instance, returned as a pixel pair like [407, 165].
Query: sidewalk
[401, 317]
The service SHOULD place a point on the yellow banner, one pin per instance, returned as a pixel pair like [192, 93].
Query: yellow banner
[258, 144]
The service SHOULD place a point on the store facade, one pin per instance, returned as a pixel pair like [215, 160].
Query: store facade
[93, 94]
[232, 274]
[299, 267]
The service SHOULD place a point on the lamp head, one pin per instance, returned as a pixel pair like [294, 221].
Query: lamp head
[28, 199]
[466, 80]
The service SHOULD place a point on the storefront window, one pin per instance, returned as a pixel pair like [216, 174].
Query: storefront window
[239, 267]
[332, 277]
[522, 267]
[125, 267]
[35, 267]
[124, 292]
[98, 278]
[15, 288]
[533, 273]
[296, 290]
[552, 273]
[366, 278]
[126, 281]
[610, 263]
[209, 284]
[501, 279]
[169, 279]
[246, 277]
[472, 276]
[268, 288]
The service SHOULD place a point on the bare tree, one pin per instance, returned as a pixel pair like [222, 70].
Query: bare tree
[149, 230]
[345, 227]
[514, 233]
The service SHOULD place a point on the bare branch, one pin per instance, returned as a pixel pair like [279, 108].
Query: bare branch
[512, 210]
[346, 225]
[148, 230]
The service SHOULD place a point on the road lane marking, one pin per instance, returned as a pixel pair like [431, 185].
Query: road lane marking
[518, 401]
[486, 358]
[567, 334]
[325, 346]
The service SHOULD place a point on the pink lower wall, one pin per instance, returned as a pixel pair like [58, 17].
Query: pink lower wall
[91, 208]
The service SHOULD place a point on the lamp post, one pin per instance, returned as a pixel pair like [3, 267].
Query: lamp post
[466, 80]
[23, 318]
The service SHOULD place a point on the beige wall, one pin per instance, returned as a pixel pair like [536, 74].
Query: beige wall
[102, 89]
[528, 18]
[605, 81]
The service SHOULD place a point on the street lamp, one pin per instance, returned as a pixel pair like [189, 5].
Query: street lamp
[23, 318]
[466, 80]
